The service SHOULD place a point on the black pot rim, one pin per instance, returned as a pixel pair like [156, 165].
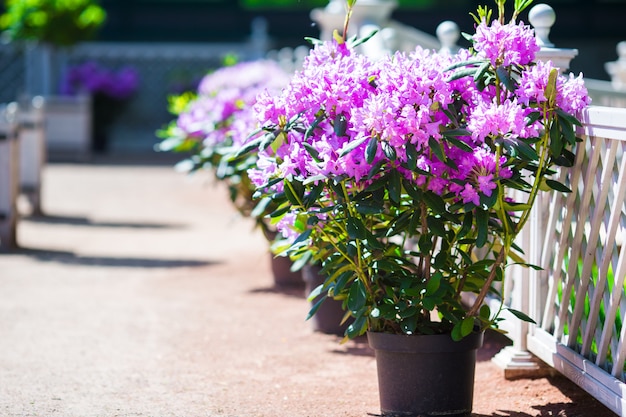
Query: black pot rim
[424, 343]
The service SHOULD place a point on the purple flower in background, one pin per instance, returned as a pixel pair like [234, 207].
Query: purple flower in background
[90, 77]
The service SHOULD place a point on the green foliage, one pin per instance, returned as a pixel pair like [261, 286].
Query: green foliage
[58, 22]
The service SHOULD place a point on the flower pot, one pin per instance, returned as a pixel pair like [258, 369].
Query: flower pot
[328, 317]
[283, 275]
[425, 375]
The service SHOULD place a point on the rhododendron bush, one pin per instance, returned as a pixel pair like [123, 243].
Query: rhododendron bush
[216, 119]
[392, 173]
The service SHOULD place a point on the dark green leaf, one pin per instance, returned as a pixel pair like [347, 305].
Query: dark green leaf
[312, 151]
[436, 225]
[389, 151]
[482, 226]
[505, 78]
[394, 187]
[411, 156]
[356, 296]
[481, 70]
[341, 124]
[352, 145]
[555, 185]
[356, 228]
[521, 316]
[370, 150]
[556, 144]
[437, 149]
[465, 72]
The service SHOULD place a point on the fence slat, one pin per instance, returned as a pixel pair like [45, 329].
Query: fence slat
[598, 216]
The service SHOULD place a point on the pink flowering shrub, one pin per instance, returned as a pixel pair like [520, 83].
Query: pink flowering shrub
[217, 119]
[391, 173]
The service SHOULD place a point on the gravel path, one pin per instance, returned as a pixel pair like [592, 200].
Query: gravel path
[142, 293]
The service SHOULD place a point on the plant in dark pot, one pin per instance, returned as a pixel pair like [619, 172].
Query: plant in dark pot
[408, 179]
[211, 125]
[110, 90]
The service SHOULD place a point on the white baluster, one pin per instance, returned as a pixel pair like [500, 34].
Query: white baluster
[448, 33]
[617, 69]
[542, 18]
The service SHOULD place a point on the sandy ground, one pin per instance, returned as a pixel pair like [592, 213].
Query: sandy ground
[142, 293]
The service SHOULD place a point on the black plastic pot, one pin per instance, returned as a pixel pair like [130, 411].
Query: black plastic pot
[284, 277]
[425, 375]
[328, 317]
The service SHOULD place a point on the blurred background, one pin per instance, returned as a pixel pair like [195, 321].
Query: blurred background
[172, 43]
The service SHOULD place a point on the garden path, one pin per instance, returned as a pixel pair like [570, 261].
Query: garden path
[142, 293]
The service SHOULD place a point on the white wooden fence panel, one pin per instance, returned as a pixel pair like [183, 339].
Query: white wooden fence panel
[582, 330]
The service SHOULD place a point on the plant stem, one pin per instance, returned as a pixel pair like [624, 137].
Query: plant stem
[492, 275]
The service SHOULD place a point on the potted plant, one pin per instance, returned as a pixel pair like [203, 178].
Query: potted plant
[110, 91]
[408, 179]
[212, 123]
[46, 26]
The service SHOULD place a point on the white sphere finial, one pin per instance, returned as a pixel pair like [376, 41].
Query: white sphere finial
[448, 34]
[542, 18]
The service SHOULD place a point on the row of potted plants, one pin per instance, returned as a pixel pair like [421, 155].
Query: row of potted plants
[406, 180]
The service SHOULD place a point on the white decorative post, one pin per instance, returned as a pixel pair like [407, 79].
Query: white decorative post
[617, 69]
[31, 131]
[9, 178]
[542, 18]
[367, 16]
[448, 33]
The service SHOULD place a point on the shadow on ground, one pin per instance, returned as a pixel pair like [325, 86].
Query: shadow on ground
[70, 258]
[85, 221]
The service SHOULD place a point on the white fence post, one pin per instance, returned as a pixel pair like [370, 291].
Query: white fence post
[32, 150]
[9, 177]
[68, 127]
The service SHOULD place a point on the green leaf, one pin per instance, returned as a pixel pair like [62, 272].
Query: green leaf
[481, 70]
[482, 226]
[315, 307]
[465, 72]
[370, 150]
[294, 192]
[434, 202]
[556, 145]
[433, 283]
[356, 296]
[555, 185]
[312, 151]
[505, 79]
[356, 228]
[341, 125]
[521, 316]
[389, 151]
[437, 149]
[352, 145]
[411, 156]
[436, 225]
[458, 143]
[394, 187]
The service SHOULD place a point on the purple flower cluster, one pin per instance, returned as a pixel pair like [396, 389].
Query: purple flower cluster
[92, 78]
[222, 111]
[346, 116]
[505, 44]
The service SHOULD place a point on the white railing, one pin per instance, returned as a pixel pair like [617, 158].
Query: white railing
[578, 298]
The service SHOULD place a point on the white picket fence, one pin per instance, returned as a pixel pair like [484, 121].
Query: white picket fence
[578, 298]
